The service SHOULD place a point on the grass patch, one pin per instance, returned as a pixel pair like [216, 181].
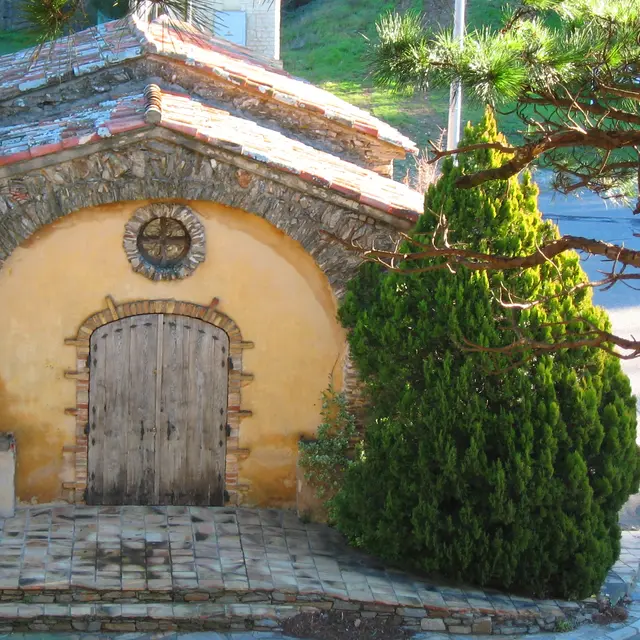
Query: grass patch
[11, 41]
[325, 42]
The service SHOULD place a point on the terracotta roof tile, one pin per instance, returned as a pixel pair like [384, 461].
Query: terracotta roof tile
[214, 127]
[84, 52]
[114, 42]
[82, 127]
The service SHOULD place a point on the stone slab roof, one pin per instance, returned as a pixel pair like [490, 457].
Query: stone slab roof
[113, 119]
[115, 42]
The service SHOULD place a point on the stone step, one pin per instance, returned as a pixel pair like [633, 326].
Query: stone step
[189, 610]
[152, 616]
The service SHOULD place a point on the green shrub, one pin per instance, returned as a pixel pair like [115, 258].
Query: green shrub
[513, 480]
[325, 459]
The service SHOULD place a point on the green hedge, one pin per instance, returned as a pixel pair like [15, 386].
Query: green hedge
[512, 480]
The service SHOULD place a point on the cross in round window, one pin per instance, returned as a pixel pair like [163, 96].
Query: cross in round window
[164, 242]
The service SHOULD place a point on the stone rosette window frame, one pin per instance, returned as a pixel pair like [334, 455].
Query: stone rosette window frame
[75, 490]
[187, 264]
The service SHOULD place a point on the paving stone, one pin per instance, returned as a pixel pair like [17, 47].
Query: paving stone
[482, 625]
[432, 624]
[143, 555]
[411, 613]
[622, 634]
[120, 626]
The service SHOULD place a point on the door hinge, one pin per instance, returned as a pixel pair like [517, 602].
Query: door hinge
[85, 494]
[89, 360]
[226, 496]
[230, 363]
[228, 430]
[87, 429]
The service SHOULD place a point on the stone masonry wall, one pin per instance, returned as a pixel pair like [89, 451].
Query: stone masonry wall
[355, 393]
[158, 167]
[89, 610]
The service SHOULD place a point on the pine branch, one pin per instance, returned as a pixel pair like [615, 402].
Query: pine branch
[438, 152]
[478, 261]
[594, 337]
[588, 105]
[575, 86]
[527, 153]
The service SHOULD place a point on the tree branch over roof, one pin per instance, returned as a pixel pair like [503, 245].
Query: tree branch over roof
[575, 86]
[454, 256]
[573, 339]
[433, 252]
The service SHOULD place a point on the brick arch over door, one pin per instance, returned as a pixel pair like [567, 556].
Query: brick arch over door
[82, 375]
[168, 171]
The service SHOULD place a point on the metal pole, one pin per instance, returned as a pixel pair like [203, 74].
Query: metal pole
[455, 95]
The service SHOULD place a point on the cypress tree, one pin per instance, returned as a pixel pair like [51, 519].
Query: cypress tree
[511, 480]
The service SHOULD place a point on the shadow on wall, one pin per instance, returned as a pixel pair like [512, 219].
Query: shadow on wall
[33, 474]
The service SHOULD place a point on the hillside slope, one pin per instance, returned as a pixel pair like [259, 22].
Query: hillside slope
[325, 42]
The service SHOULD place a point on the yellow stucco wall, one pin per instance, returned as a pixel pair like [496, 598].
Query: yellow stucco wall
[266, 283]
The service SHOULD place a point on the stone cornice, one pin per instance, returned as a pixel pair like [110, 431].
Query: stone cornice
[130, 139]
[169, 168]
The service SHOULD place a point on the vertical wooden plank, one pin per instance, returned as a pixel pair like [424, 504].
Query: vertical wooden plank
[171, 418]
[97, 409]
[214, 431]
[196, 372]
[116, 418]
[188, 418]
[158, 406]
[140, 431]
[209, 433]
[218, 408]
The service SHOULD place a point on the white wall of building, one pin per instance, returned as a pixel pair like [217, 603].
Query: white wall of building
[262, 21]
[262, 24]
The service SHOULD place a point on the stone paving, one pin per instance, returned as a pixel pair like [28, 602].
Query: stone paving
[170, 548]
[206, 635]
[129, 566]
[198, 635]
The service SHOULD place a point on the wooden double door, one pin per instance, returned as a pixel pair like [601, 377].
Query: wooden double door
[157, 412]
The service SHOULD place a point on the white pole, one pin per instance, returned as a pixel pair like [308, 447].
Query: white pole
[455, 96]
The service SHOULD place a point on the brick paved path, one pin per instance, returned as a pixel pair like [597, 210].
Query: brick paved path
[201, 635]
[189, 550]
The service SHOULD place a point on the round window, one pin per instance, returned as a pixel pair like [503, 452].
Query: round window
[164, 242]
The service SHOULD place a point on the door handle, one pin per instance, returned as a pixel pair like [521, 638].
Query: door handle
[153, 430]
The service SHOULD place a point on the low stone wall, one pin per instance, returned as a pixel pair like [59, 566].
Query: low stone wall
[88, 610]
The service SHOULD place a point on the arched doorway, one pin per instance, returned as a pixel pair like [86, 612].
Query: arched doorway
[157, 411]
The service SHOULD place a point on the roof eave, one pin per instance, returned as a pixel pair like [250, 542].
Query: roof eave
[396, 216]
